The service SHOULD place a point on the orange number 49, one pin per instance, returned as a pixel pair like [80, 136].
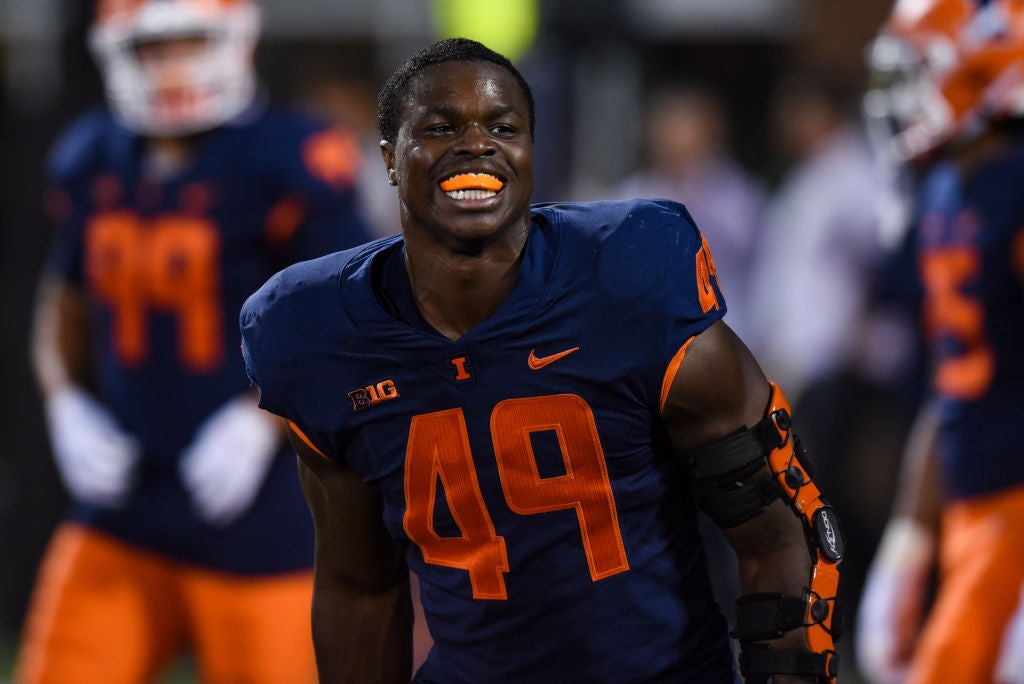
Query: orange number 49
[439, 449]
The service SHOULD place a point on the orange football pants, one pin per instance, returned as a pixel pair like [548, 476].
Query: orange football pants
[104, 612]
[980, 574]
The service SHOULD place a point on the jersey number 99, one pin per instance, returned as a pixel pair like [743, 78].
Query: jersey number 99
[166, 264]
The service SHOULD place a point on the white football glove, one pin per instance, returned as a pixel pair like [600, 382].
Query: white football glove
[224, 466]
[1010, 668]
[95, 457]
[892, 603]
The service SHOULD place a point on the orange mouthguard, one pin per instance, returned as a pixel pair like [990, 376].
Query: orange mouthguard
[472, 181]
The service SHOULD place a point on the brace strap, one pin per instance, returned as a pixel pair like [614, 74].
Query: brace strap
[767, 616]
[732, 506]
[759, 662]
[720, 472]
[735, 453]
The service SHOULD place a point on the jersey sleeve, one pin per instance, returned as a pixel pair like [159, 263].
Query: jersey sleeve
[281, 351]
[319, 212]
[693, 298]
[66, 200]
[678, 257]
[656, 278]
[268, 344]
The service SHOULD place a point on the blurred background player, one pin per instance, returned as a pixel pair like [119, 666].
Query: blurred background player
[950, 86]
[188, 528]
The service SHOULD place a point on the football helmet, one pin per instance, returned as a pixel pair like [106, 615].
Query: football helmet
[182, 91]
[941, 70]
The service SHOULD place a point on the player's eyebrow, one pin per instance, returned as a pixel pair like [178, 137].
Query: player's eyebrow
[442, 111]
[449, 112]
[501, 110]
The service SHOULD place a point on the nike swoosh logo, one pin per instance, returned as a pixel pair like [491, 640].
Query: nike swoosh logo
[538, 362]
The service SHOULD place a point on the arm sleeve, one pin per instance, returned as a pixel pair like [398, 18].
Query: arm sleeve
[66, 257]
[67, 200]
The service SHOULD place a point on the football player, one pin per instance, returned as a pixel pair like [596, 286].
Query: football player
[525, 407]
[950, 93]
[188, 528]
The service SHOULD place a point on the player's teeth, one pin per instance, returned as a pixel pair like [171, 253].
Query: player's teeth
[471, 194]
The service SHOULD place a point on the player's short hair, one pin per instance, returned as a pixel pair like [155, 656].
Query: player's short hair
[392, 93]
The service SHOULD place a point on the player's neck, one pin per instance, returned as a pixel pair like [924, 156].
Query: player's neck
[456, 292]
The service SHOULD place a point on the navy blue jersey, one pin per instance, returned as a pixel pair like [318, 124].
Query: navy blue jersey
[971, 261]
[552, 529]
[167, 263]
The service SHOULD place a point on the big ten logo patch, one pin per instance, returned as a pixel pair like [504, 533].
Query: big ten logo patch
[371, 395]
[169, 264]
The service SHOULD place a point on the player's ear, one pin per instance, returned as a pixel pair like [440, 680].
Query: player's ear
[387, 151]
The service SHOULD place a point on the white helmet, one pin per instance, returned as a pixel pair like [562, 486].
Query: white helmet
[195, 92]
[943, 69]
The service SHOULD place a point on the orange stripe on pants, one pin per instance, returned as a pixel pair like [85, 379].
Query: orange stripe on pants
[982, 567]
[107, 612]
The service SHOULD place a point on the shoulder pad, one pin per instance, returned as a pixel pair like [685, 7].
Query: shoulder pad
[642, 247]
[306, 149]
[615, 214]
[79, 146]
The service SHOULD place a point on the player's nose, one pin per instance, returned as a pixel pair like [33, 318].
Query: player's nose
[475, 141]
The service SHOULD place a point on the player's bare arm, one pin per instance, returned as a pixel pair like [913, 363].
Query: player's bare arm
[896, 588]
[60, 335]
[94, 455]
[920, 492]
[718, 390]
[362, 611]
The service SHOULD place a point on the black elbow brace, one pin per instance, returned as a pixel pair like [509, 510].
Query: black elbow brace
[730, 490]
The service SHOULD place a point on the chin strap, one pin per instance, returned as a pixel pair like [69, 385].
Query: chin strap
[721, 471]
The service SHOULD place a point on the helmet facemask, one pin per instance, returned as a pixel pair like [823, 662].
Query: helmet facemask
[942, 71]
[904, 110]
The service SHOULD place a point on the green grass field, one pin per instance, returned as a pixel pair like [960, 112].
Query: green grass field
[182, 672]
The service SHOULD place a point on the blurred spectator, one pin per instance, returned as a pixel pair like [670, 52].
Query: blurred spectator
[686, 160]
[188, 528]
[819, 326]
[823, 224]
